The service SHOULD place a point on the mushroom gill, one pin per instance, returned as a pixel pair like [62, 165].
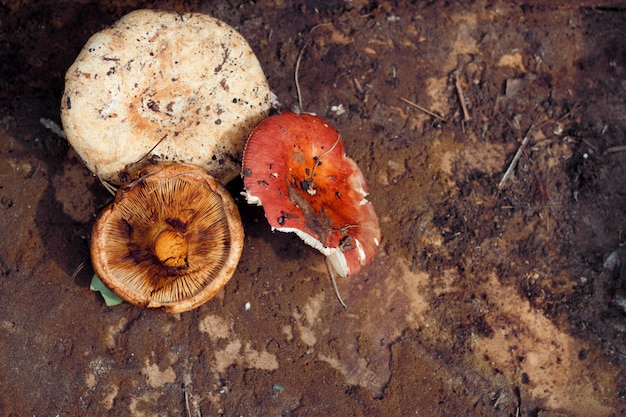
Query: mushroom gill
[171, 239]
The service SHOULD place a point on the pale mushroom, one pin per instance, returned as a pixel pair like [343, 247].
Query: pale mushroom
[167, 86]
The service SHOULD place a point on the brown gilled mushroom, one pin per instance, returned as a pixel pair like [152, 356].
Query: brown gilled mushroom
[161, 104]
[171, 239]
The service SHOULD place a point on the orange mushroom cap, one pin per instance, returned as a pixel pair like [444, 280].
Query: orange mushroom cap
[295, 166]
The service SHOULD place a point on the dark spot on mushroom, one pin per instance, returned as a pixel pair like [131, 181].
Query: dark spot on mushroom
[153, 105]
[345, 244]
[235, 100]
[224, 85]
[337, 194]
[177, 224]
[218, 122]
[124, 177]
[284, 216]
[170, 106]
[263, 183]
[525, 378]
[247, 172]
[124, 227]
[307, 185]
[111, 71]
[68, 103]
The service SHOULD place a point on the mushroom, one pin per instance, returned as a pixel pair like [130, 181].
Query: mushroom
[295, 166]
[175, 87]
[160, 104]
[171, 239]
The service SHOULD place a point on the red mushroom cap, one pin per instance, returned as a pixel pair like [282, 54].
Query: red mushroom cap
[295, 166]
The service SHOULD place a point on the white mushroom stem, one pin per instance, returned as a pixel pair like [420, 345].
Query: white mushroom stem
[335, 259]
[332, 280]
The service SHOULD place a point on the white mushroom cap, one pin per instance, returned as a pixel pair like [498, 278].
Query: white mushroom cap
[177, 87]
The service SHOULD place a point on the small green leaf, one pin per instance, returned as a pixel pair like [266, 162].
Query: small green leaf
[110, 299]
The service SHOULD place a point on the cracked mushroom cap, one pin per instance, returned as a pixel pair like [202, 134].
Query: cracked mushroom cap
[175, 87]
[171, 239]
[295, 166]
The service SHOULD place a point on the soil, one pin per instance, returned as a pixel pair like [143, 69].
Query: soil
[493, 294]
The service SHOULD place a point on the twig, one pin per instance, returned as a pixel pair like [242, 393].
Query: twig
[306, 43]
[459, 89]
[593, 147]
[77, 270]
[417, 106]
[614, 149]
[332, 280]
[110, 188]
[186, 401]
[516, 158]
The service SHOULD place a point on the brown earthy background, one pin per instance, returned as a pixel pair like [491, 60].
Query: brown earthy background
[490, 296]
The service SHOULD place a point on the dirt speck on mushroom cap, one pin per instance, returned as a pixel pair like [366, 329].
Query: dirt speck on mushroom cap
[187, 82]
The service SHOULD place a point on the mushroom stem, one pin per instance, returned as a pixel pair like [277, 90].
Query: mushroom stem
[170, 247]
[332, 280]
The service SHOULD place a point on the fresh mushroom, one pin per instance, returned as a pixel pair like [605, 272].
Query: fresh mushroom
[171, 239]
[175, 87]
[295, 166]
[160, 104]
